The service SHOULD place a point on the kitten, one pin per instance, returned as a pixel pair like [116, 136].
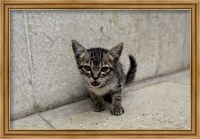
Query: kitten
[104, 75]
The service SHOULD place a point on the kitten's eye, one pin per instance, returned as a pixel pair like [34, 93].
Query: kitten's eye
[87, 68]
[105, 69]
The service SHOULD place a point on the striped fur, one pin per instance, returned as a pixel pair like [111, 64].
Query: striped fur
[103, 74]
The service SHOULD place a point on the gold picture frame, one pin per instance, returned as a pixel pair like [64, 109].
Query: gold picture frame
[192, 5]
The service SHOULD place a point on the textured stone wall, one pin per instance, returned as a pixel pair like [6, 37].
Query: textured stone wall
[43, 69]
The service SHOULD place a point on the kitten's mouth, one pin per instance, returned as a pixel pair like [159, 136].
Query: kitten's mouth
[95, 84]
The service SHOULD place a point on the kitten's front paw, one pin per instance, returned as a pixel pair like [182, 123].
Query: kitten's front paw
[117, 111]
[99, 108]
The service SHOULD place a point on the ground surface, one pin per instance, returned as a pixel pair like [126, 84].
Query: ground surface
[160, 103]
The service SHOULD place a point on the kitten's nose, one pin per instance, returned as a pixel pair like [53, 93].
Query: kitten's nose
[95, 78]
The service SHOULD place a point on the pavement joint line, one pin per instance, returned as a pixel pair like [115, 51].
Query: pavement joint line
[46, 121]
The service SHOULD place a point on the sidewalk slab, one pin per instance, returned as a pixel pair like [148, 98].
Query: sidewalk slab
[30, 122]
[164, 103]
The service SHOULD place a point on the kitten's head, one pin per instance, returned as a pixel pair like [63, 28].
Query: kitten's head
[96, 65]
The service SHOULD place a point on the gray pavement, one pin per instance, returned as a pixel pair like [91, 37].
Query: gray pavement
[159, 103]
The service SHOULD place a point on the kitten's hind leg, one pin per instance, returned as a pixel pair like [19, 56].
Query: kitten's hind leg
[116, 108]
[98, 102]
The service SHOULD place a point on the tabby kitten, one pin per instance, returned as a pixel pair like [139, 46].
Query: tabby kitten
[104, 75]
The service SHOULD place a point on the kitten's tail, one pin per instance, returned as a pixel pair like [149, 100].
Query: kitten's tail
[132, 70]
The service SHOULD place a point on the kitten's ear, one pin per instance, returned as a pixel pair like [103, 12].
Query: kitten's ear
[78, 49]
[116, 52]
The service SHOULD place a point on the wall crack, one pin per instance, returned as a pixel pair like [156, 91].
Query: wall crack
[30, 56]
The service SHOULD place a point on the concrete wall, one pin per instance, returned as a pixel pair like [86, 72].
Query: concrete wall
[43, 69]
